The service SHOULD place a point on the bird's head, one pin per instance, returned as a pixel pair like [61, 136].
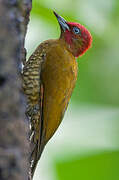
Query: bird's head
[76, 37]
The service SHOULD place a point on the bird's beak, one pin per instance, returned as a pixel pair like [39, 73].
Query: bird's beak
[63, 24]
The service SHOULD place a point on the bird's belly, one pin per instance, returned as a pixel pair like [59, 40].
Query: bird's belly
[58, 82]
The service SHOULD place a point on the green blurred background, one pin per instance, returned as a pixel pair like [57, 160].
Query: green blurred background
[86, 145]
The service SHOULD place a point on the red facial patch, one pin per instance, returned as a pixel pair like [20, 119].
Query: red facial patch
[68, 37]
[84, 36]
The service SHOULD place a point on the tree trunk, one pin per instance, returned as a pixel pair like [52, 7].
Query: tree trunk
[14, 145]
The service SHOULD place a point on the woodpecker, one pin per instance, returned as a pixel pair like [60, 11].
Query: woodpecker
[49, 77]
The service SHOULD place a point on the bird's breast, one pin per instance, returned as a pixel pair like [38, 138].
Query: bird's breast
[58, 76]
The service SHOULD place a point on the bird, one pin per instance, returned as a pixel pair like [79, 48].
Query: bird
[49, 77]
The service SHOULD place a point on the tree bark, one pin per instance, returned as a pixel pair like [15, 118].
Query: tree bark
[14, 145]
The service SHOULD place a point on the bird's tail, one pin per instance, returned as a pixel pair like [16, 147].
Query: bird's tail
[36, 140]
[35, 156]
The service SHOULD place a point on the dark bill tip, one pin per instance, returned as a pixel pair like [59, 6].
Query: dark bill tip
[55, 14]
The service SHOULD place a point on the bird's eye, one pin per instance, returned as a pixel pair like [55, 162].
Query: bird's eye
[76, 30]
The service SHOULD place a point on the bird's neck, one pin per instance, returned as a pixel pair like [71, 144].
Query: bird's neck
[69, 46]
